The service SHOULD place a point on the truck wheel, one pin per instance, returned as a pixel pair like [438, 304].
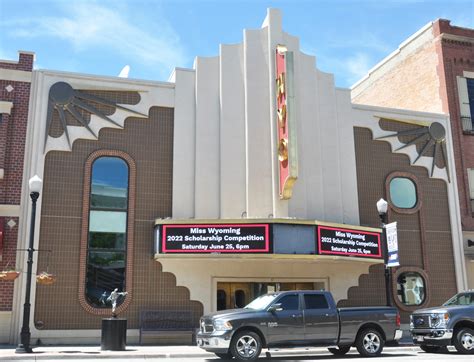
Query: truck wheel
[464, 341]
[227, 355]
[246, 346]
[340, 350]
[433, 349]
[369, 343]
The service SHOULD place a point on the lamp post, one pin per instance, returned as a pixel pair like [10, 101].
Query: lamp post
[382, 207]
[35, 184]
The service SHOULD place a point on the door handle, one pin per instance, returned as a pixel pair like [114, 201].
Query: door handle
[296, 316]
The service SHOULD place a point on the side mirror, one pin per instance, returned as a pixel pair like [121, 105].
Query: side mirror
[275, 308]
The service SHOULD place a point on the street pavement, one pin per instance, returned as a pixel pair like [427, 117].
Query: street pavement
[191, 353]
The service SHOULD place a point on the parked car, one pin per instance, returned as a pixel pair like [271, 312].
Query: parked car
[297, 318]
[433, 329]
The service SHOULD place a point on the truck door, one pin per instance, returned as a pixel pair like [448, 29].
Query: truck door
[321, 319]
[286, 326]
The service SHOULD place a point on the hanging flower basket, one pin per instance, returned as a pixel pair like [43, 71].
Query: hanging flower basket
[45, 279]
[9, 275]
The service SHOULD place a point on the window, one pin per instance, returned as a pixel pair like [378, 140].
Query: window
[107, 237]
[315, 301]
[411, 289]
[466, 102]
[461, 299]
[470, 176]
[240, 299]
[221, 299]
[403, 193]
[289, 302]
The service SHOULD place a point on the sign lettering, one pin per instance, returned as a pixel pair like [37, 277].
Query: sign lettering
[348, 242]
[236, 238]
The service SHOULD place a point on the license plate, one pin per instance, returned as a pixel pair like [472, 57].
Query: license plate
[419, 338]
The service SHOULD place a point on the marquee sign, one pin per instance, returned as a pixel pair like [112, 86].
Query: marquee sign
[286, 128]
[214, 238]
[348, 242]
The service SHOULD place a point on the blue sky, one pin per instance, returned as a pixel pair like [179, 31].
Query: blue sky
[348, 37]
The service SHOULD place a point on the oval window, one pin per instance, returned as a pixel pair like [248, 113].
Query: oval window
[411, 289]
[403, 193]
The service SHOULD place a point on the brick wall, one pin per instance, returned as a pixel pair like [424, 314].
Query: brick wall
[426, 81]
[457, 56]
[412, 84]
[12, 142]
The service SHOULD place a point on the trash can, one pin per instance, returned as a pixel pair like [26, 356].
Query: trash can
[114, 334]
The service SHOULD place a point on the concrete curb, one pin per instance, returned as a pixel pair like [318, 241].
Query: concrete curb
[58, 353]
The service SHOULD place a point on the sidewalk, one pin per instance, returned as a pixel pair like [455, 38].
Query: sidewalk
[7, 352]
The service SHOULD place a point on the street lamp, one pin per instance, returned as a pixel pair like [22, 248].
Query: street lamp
[35, 184]
[382, 208]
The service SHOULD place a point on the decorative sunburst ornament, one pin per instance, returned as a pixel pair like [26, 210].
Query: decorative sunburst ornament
[432, 136]
[65, 99]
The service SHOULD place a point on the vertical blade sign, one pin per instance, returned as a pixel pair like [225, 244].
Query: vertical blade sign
[286, 130]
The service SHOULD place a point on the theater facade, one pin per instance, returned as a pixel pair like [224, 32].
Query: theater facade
[249, 173]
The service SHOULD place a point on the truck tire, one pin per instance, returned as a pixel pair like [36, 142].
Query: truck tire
[227, 355]
[433, 349]
[246, 346]
[464, 340]
[369, 342]
[340, 350]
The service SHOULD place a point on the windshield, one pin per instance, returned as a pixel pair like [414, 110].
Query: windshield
[461, 299]
[261, 302]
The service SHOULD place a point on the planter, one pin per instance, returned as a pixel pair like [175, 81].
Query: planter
[9, 275]
[45, 279]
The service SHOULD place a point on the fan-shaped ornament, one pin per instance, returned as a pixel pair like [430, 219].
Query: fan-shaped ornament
[66, 100]
[432, 136]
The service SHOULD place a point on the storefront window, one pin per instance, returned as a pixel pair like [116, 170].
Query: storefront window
[411, 289]
[106, 252]
[403, 193]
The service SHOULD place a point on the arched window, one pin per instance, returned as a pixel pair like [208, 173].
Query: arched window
[107, 234]
[239, 299]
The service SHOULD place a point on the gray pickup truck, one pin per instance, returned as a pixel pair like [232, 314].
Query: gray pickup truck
[433, 329]
[297, 318]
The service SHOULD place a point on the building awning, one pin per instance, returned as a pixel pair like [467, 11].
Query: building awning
[256, 239]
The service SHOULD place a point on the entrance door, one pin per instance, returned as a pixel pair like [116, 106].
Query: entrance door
[233, 295]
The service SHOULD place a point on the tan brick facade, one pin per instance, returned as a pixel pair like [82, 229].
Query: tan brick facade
[425, 79]
[412, 84]
[149, 143]
[423, 233]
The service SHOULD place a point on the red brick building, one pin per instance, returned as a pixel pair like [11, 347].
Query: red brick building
[433, 71]
[15, 82]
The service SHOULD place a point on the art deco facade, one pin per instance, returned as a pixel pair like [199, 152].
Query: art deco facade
[250, 172]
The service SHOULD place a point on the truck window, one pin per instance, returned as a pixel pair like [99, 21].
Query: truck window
[289, 302]
[315, 301]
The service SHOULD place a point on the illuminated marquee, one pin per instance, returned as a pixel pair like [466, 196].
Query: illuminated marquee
[215, 238]
[286, 129]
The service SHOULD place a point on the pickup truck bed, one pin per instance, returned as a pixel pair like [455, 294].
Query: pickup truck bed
[297, 318]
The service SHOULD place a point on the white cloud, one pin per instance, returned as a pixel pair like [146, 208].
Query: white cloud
[357, 66]
[89, 26]
[362, 40]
